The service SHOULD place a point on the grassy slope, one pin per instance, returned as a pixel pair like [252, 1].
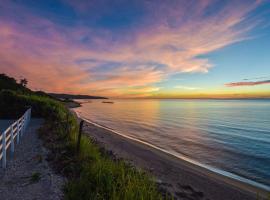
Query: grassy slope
[92, 174]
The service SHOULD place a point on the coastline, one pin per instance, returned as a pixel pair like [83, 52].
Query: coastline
[72, 104]
[182, 178]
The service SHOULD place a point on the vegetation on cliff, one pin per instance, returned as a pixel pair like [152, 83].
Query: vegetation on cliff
[91, 172]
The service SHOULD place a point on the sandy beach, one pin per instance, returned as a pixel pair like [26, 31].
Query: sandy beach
[181, 178]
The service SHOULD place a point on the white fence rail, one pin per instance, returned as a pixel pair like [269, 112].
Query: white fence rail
[12, 133]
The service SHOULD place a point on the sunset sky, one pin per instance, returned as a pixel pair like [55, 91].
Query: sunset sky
[150, 48]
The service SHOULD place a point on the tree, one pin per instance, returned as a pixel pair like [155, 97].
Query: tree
[23, 82]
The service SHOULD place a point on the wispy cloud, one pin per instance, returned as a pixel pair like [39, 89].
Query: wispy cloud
[82, 59]
[257, 78]
[142, 91]
[186, 87]
[247, 83]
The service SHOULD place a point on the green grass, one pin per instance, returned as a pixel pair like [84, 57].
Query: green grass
[258, 197]
[92, 174]
[103, 178]
[97, 176]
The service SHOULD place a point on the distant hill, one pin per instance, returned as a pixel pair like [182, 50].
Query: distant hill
[71, 96]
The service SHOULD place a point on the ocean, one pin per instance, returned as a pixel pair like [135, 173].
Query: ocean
[231, 137]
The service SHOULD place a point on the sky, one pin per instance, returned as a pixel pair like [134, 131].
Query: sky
[139, 49]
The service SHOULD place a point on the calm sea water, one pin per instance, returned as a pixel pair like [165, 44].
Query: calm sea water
[230, 135]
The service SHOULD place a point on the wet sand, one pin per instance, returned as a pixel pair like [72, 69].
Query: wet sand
[181, 178]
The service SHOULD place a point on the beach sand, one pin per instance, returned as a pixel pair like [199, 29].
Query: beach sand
[181, 178]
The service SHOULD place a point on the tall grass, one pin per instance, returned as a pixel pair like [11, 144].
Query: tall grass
[92, 173]
[103, 178]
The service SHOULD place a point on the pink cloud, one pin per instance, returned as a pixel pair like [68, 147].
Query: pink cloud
[248, 83]
[48, 53]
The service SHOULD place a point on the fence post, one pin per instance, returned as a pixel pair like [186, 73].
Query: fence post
[30, 113]
[18, 132]
[79, 137]
[67, 124]
[4, 158]
[27, 117]
[23, 125]
[11, 139]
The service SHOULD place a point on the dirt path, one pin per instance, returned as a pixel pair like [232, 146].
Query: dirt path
[28, 175]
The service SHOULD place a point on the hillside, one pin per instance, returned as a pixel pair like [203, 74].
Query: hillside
[9, 83]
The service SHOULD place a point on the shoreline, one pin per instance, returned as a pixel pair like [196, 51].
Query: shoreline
[184, 175]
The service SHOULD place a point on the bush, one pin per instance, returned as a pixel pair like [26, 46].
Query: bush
[10, 83]
[14, 104]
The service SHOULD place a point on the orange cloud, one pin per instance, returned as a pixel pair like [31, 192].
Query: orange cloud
[50, 55]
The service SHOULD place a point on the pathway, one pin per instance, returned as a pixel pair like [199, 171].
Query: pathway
[28, 175]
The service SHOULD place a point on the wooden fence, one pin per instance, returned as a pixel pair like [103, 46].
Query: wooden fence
[12, 133]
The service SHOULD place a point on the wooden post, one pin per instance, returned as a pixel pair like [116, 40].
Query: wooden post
[4, 158]
[12, 139]
[67, 124]
[18, 132]
[79, 137]
[25, 118]
[23, 125]
[29, 115]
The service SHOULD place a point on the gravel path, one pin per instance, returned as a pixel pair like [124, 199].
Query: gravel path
[28, 175]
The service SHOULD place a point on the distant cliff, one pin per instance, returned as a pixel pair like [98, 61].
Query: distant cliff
[71, 96]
